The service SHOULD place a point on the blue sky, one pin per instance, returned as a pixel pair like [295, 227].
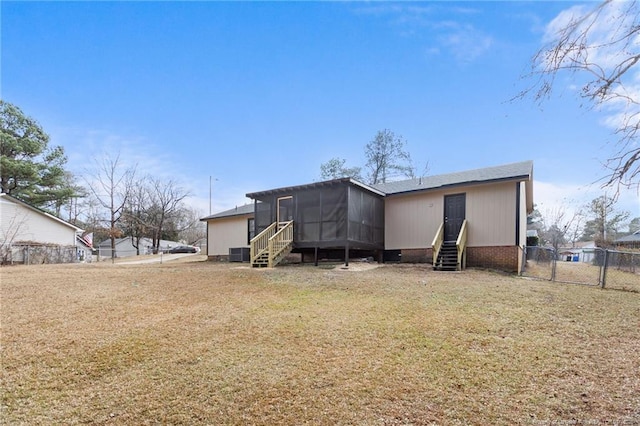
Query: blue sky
[260, 94]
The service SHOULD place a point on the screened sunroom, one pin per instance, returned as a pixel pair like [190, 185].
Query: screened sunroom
[332, 218]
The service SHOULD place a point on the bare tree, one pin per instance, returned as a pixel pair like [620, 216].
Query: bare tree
[154, 209]
[11, 227]
[135, 218]
[386, 157]
[112, 186]
[166, 201]
[604, 222]
[599, 49]
[189, 227]
[559, 223]
[93, 218]
[336, 168]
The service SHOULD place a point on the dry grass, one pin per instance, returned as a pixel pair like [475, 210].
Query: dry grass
[585, 273]
[196, 342]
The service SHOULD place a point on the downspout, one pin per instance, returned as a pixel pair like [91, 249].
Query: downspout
[346, 248]
[520, 249]
[518, 213]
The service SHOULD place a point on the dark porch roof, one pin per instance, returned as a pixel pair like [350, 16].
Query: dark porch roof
[315, 185]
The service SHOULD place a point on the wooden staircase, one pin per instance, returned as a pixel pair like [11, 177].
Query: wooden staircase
[447, 259]
[450, 255]
[272, 245]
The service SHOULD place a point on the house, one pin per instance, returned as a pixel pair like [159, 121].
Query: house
[84, 246]
[628, 242]
[30, 235]
[580, 251]
[488, 207]
[470, 218]
[230, 230]
[124, 247]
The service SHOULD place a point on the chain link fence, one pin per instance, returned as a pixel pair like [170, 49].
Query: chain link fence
[594, 266]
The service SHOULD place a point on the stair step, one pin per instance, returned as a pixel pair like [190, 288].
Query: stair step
[263, 260]
[447, 258]
[275, 242]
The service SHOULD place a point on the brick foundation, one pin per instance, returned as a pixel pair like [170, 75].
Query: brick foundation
[218, 258]
[416, 255]
[504, 258]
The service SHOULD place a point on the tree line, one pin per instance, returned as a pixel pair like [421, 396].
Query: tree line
[386, 159]
[599, 221]
[112, 200]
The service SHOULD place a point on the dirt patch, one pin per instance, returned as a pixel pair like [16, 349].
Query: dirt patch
[358, 267]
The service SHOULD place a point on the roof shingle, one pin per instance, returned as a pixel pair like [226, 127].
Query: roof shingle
[521, 170]
[237, 211]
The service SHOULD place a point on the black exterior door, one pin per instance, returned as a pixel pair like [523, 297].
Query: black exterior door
[454, 214]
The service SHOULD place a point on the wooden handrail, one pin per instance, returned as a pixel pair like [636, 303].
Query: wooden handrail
[461, 243]
[280, 241]
[274, 240]
[260, 243]
[436, 245]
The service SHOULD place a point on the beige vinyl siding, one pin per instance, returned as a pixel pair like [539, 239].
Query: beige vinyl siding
[491, 215]
[411, 221]
[227, 233]
[19, 223]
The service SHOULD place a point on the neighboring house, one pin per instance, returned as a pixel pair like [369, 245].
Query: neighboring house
[124, 247]
[85, 249]
[628, 242]
[231, 229]
[581, 251]
[475, 218]
[30, 235]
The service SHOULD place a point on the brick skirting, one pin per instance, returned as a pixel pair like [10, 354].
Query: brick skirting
[218, 258]
[416, 255]
[504, 258]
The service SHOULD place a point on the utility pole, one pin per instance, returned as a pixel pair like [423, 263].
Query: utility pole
[211, 179]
